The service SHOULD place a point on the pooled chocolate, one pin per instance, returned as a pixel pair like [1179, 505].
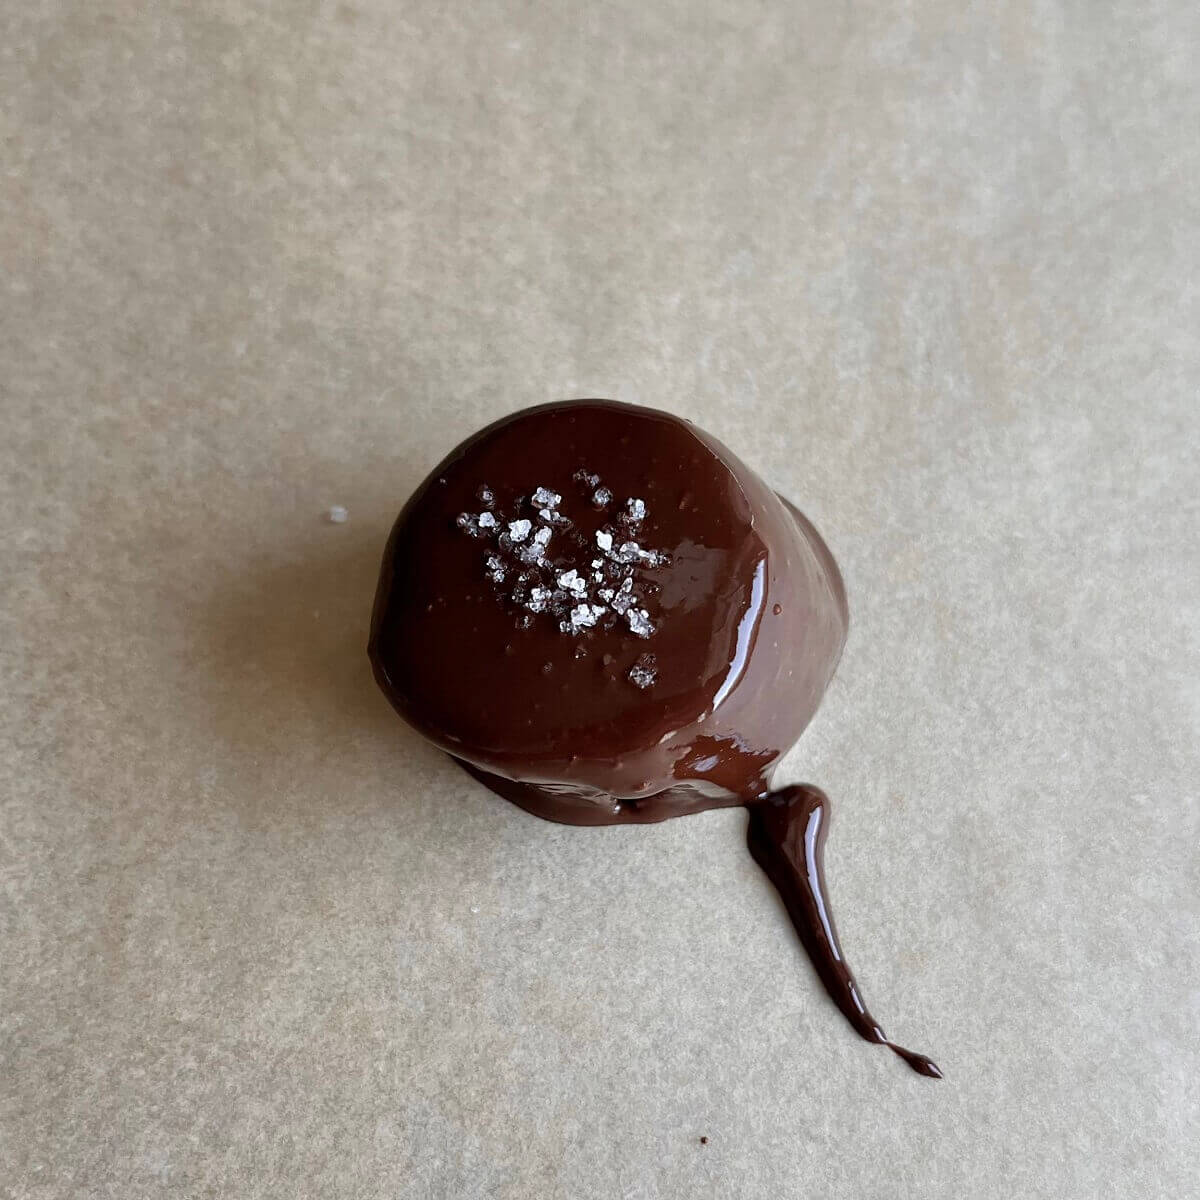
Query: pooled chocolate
[605, 617]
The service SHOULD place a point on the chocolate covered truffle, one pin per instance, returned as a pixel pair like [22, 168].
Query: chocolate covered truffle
[606, 617]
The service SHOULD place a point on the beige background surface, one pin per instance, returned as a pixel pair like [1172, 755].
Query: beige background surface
[931, 267]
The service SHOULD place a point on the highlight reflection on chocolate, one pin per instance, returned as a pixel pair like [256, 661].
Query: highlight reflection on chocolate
[606, 617]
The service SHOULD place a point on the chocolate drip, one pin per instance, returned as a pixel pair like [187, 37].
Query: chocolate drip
[786, 836]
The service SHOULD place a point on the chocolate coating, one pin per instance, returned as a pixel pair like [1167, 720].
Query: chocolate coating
[748, 616]
[751, 621]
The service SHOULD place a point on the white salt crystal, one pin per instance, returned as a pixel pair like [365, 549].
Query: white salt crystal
[639, 622]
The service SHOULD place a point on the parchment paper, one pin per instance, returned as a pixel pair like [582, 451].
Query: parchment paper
[931, 268]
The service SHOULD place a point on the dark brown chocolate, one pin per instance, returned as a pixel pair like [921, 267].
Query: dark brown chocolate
[678, 694]
[786, 836]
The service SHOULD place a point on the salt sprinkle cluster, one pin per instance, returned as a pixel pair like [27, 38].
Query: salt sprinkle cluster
[581, 585]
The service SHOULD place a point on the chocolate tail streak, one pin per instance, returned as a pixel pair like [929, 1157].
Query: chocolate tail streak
[786, 837]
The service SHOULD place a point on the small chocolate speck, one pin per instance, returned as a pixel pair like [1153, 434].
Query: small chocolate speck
[778, 608]
[704, 1141]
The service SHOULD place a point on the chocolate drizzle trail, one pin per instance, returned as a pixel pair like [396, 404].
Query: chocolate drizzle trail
[786, 837]
[749, 618]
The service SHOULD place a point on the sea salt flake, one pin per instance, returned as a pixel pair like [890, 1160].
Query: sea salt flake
[584, 616]
[624, 598]
[573, 582]
[560, 587]
[639, 622]
[338, 514]
[643, 673]
[535, 551]
[602, 497]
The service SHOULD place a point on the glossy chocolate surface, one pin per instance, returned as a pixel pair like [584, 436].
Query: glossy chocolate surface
[746, 611]
[751, 618]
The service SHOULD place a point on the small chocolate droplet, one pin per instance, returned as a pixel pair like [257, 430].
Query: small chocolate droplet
[777, 609]
[704, 1141]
